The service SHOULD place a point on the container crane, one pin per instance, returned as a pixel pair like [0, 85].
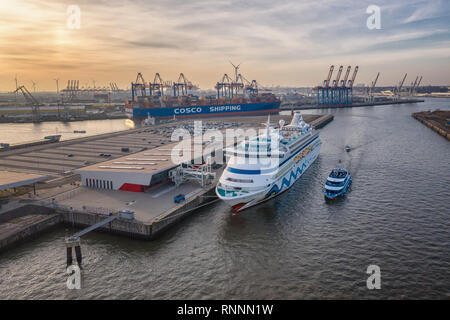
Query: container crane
[344, 81]
[335, 91]
[350, 87]
[372, 86]
[322, 97]
[182, 83]
[250, 86]
[157, 86]
[417, 85]
[352, 81]
[413, 84]
[224, 87]
[400, 85]
[138, 88]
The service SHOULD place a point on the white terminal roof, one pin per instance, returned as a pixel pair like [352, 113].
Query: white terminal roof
[146, 162]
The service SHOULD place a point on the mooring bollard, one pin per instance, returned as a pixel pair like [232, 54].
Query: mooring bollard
[70, 243]
[69, 256]
[78, 254]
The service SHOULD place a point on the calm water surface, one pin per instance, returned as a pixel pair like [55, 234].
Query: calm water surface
[296, 246]
[23, 132]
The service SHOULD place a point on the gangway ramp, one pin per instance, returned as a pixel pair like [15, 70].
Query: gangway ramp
[93, 227]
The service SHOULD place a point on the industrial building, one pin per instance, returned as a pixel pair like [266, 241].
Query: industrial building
[141, 171]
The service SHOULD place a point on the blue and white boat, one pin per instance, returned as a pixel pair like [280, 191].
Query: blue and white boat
[337, 183]
[251, 178]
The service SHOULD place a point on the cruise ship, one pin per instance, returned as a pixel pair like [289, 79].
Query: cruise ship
[257, 172]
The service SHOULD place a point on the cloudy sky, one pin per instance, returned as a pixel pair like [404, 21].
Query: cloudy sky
[283, 42]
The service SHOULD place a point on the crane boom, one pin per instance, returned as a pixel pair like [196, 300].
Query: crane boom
[413, 85]
[419, 82]
[336, 81]
[401, 83]
[375, 81]
[32, 101]
[326, 83]
[344, 81]
[350, 83]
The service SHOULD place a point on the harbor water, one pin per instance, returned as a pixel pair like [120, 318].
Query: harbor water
[297, 246]
[24, 132]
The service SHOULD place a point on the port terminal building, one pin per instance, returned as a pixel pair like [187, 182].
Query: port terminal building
[139, 172]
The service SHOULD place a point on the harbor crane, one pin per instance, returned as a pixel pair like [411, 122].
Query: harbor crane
[350, 86]
[413, 84]
[138, 88]
[32, 102]
[347, 73]
[417, 85]
[325, 89]
[352, 80]
[158, 85]
[335, 91]
[372, 86]
[399, 87]
[336, 81]
[250, 86]
[182, 83]
[224, 87]
[326, 82]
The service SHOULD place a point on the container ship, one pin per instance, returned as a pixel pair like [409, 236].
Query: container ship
[167, 100]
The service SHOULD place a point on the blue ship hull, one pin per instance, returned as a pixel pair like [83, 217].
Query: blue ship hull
[239, 109]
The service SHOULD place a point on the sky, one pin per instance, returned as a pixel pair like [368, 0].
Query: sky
[283, 42]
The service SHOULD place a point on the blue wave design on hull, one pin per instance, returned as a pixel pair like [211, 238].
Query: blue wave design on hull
[294, 174]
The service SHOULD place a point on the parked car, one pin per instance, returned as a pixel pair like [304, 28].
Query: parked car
[178, 198]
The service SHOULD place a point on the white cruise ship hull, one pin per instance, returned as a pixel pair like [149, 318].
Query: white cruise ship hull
[285, 178]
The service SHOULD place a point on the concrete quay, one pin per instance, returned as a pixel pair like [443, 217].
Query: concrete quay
[70, 204]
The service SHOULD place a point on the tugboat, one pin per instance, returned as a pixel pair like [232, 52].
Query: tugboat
[337, 183]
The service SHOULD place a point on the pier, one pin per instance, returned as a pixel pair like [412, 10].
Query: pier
[438, 121]
[287, 107]
[66, 199]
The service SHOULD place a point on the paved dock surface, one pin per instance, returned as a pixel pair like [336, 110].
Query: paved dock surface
[154, 209]
[146, 205]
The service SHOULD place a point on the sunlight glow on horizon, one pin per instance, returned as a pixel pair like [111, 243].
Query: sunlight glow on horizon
[289, 44]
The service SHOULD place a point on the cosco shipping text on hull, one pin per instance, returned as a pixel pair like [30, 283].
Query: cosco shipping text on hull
[205, 111]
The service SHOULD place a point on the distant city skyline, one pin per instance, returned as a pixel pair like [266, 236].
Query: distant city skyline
[286, 43]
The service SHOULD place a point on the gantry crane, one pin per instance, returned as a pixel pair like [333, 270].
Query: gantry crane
[413, 84]
[250, 86]
[417, 85]
[399, 87]
[412, 89]
[349, 91]
[372, 86]
[323, 92]
[182, 83]
[224, 87]
[335, 91]
[138, 88]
